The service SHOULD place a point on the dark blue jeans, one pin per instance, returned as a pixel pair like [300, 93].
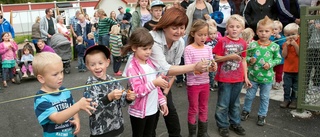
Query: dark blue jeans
[104, 40]
[116, 63]
[228, 105]
[5, 72]
[180, 77]
[290, 86]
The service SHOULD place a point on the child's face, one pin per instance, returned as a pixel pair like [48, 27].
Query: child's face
[264, 32]
[234, 29]
[26, 51]
[97, 64]
[40, 45]
[142, 53]
[276, 30]
[93, 29]
[143, 3]
[291, 35]
[156, 12]
[213, 35]
[200, 36]
[52, 77]
[6, 37]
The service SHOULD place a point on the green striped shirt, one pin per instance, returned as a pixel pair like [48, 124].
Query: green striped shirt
[104, 25]
[116, 44]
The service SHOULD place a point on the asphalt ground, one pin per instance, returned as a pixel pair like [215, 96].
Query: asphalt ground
[17, 119]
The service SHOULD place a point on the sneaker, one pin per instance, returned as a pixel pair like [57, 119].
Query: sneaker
[285, 104]
[224, 132]
[31, 74]
[276, 86]
[293, 104]
[237, 129]
[118, 74]
[25, 75]
[244, 115]
[211, 89]
[261, 120]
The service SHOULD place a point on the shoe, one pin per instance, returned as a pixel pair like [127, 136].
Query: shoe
[192, 130]
[179, 84]
[261, 120]
[276, 86]
[285, 104]
[244, 115]
[293, 104]
[5, 84]
[224, 132]
[31, 74]
[202, 129]
[118, 74]
[13, 81]
[237, 129]
[25, 75]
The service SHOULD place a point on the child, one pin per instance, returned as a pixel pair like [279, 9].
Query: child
[27, 60]
[57, 112]
[95, 35]
[141, 15]
[80, 50]
[198, 85]
[107, 120]
[290, 54]
[8, 50]
[212, 23]
[212, 41]
[247, 35]
[116, 43]
[127, 16]
[262, 57]
[149, 95]
[156, 12]
[280, 39]
[43, 47]
[90, 41]
[232, 67]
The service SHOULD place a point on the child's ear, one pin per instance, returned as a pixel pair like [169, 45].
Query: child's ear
[133, 48]
[40, 79]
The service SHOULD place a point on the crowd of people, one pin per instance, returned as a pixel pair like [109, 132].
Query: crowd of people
[210, 45]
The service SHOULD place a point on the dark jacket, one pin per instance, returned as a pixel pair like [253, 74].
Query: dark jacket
[254, 12]
[285, 14]
[87, 30]
[215, 6]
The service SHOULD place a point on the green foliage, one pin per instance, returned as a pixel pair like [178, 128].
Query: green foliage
[20, 38]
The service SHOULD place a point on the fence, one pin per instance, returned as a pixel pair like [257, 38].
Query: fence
[309, 59]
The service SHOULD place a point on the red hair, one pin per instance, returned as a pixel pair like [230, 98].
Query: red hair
[172, 17]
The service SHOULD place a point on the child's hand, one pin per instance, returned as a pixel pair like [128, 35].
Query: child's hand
[116, 94]
[213, 66]
[164, 110]
[201, 66]
[160, 82]
[266, 66]
[235, 57]
[252, 60]
[87, 105]
[294, 43]
[131, 95]
[76, 124]
[248, 83]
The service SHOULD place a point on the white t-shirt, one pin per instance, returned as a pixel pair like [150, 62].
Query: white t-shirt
[152, 101]
[225, 8]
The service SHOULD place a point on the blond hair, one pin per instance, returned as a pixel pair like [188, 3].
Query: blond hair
[247, 34]
[211, 21]
[212, 29]
[115, 30]
[236, 17]
[277, 24]
[79, 39]
[291, 27]
[90, 35]
[40, 62]
[38, 19]
[266, 21]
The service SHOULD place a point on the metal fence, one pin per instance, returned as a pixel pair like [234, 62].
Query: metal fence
[309, 59]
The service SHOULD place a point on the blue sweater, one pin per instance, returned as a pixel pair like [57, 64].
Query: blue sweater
[5, 26]
[81, 48]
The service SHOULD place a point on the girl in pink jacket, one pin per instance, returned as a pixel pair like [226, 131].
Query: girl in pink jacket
[147, 87]
[8, 50]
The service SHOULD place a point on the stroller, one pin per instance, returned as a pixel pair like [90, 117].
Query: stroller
[17, 71]
[62, 46]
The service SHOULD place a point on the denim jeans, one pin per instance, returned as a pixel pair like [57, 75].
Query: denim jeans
[5, 72]
[116, 63]
[211, 77]
[104, 40]
[290, 86]
[228, 104]
[264, 97]
[81, 65]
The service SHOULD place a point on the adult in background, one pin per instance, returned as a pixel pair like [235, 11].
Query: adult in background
[35, 34]
[62, 29]
[48, 26]
[83, 27]
[257, 10]
[289, 11]
[227, 8]
[5, 26]
[141, 15]
[104, 27]
[185, 4]
[95, 20]
[73, 29]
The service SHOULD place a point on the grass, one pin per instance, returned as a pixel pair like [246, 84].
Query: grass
[20, 38]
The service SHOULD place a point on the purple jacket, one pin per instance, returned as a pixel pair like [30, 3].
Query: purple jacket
[142, 88]
[46, 48]
[6, 53]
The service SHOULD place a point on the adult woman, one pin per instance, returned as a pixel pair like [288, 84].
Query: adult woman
[197, 10]
[166, 54]
[104, 26]
[35, 34]
[62, 29]
[113, 16]
[227, 8]
[95, 19]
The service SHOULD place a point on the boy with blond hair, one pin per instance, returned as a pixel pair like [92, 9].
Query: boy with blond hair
[262, 57]
[231, 74]
[56, 111]
[290, 54]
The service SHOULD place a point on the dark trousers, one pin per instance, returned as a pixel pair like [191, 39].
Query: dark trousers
[221, 30]
[116, 63]
[180, 77]
[171, 120]
[290, 86]
[143, 127]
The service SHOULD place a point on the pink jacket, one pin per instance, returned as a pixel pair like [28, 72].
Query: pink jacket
[142, 88]
[6, 53]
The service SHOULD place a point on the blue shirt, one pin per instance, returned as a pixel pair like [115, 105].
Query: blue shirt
[46, 105]
[74, 22]
[280, 41]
